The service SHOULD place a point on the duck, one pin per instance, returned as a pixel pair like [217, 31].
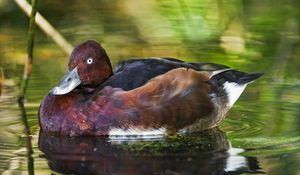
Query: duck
[141, 97]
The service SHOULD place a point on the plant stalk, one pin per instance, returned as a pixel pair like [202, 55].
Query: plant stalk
[30, 45]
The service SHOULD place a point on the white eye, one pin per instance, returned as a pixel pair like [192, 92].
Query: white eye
[89, 60]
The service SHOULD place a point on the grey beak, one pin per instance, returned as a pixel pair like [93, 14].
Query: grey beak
[70, 81]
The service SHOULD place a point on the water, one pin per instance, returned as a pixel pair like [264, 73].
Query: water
[260, 134]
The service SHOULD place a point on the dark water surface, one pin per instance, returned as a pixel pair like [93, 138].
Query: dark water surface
[260, 134]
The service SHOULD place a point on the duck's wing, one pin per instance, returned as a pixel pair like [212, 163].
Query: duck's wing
[170, 101]
[134, 73]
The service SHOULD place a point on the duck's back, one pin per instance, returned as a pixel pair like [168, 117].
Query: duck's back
[134, 73]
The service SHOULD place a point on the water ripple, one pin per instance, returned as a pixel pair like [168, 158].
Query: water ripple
[245, 126]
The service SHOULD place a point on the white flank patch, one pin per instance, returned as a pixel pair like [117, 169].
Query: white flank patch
[136, 133]
[233, 91]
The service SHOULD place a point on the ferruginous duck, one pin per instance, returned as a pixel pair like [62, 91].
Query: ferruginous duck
[141, 97]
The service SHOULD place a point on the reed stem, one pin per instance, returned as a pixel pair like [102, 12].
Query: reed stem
[30, 45]
[26, 76]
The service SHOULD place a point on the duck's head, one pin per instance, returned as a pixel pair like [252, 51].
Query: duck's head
[88, 66]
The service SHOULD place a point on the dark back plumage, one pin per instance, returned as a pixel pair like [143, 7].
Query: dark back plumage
[134, 73]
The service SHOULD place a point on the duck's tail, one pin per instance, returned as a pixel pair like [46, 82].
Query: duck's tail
[232, 83]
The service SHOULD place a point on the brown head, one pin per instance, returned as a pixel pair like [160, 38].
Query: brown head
[88, 65]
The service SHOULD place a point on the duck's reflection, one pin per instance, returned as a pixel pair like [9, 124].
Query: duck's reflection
[208, 152]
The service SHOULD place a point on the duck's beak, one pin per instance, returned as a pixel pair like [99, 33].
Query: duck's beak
[70, 81]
